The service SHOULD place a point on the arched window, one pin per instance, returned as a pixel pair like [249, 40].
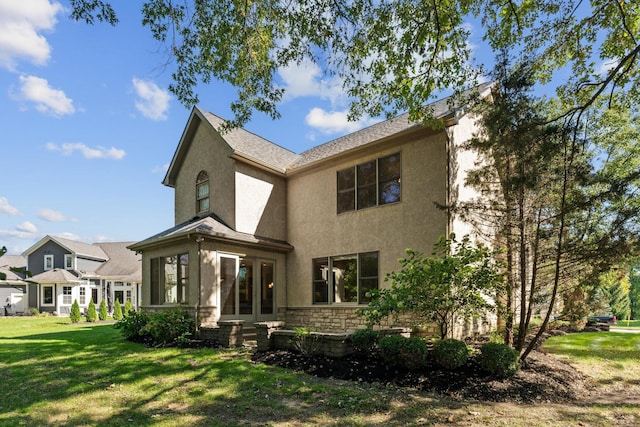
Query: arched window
[202, 192]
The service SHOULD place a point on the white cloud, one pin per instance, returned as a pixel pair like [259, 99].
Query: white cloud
[51, 215]
[335, 121]
[21, 25]
[48, 100]
[16, 234]
[68, 148]
[151, 101]
[160, 169]
[68, 236]
[305, 79]
[6, 208]
[27, 227]
[607, 66]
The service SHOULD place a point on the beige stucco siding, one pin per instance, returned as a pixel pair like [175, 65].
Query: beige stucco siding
[316, 230]
[462, 161]
[208, 152]
[260, 202]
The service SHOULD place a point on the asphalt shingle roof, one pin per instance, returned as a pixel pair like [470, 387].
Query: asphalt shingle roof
[123, 262]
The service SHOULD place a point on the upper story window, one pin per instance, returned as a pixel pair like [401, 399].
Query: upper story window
[202, 192]
[374, 183]
[68, 262]
[48, 262]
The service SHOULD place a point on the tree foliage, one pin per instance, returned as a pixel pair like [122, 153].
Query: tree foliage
[560, 195]
[634, 293]
[457, 282]
[102, 311]
[75, 312]
[91, 316]
[117, 310]
[387, 56]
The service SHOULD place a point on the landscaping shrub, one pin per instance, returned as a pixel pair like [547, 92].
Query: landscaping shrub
[102, 313]
[498, 359]
[365, 341]
[117, 310]
[306, 342]
[450, 353]
[132, 325]
[75, 312]
[92, 316]
[402, 352]
[169, 327]
[35, 312]
[127, 308]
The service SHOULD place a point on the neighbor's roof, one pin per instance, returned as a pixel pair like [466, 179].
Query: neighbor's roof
[57, 275]
[123, 263]
[16, 261]
[83, 249]
[11, 277]
[214, 228]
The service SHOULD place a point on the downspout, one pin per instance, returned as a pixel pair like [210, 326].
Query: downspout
[199, 240]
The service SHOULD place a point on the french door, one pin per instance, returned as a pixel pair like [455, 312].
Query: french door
[247, 290]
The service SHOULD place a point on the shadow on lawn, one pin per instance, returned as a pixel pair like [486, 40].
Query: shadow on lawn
[121, 383]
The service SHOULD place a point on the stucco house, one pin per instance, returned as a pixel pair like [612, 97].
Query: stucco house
[263, 233]
[65, 270]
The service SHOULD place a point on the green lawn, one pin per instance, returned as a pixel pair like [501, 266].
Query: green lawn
[628, 324]
[54, 373]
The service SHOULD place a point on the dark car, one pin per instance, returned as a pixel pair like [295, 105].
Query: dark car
[609, 319]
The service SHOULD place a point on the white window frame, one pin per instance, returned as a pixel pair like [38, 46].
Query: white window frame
[67, 297]
[68, 262]
[48, 262]
[82, 295]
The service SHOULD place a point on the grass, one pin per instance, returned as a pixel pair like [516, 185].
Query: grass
[54, 373]
[627, 324]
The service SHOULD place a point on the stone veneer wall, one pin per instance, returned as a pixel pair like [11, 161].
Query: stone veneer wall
[227, 333]
[338, 319]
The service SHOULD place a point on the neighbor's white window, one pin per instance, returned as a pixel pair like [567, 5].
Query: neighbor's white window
[83, 295]
[66, 295]
[48, 262]
[68, 262]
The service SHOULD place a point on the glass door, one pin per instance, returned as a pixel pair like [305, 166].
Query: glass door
[246, 288]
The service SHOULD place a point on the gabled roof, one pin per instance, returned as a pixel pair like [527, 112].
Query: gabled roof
[84, 250]
[253, 148]
[242, 144]
[10, 277]
[214, 228]
[123, 264]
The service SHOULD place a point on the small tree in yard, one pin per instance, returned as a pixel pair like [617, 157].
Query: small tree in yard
[127, 307]
[91, 312]
[117, 310]
[102, 313]
[75, 312]
[457, 282]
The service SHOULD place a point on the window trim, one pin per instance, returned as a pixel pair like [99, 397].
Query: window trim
[66, 288]
[158, 285]
[53, 296]
[50, 258]
[331, 299]
[68, 262]
[201, 180]
[354, 172]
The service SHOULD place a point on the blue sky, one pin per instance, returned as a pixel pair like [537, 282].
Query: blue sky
[89, 127]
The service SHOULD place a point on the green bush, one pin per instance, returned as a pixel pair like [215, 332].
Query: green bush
[402, 352]
[35, 312]
[365, 341]
[91, 312]
[75, 312]
[498, 359]
[306, 342]
[102, 313]
[117, 310]
[132, 325]
[127, 308]
[169, 327]
[450, 353]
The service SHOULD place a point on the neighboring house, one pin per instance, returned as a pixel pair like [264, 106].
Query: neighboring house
[13, 287]
[263, 233]
[65, 270]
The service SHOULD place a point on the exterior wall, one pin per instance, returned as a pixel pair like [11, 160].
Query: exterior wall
[83, 264]
[210, 153]
[261, 200]
[461, 162]
[35, 260]
[316, 230]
